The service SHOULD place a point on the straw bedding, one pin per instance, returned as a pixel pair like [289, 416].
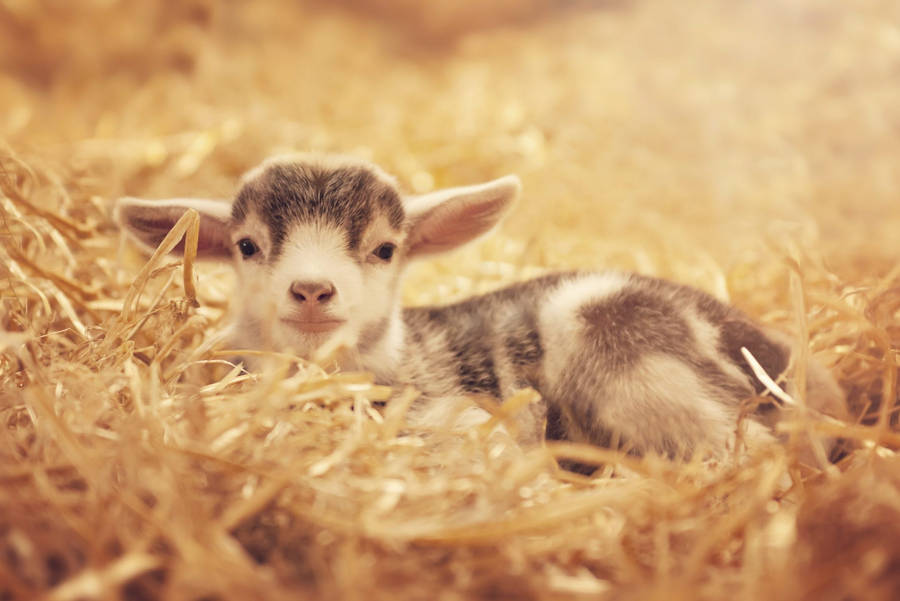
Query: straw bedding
[750, 149]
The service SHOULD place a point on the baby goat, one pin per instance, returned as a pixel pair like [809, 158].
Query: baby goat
[622, 360]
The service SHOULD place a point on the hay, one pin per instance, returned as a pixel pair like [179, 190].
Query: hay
[736, 147]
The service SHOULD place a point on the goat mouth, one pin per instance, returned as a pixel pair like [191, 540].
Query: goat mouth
[313, 326]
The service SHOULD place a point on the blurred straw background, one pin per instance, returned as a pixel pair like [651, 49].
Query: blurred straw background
[749, 149]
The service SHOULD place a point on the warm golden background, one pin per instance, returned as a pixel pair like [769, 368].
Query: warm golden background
[748, 148]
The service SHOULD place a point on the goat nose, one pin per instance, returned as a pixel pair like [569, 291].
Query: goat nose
[313, 292]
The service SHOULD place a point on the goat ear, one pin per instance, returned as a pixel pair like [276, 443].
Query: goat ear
[148, 222]
[445, 219]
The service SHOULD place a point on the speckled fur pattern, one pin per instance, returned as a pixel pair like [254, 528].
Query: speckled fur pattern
[636, 363]
[620, 360]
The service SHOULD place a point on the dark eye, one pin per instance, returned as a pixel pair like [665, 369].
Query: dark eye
[385, 251]
[247, 247]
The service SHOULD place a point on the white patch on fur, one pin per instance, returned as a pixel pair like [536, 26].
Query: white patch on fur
[559, 321]
[316, 253]
[662, 398]
[310, 253]
[386, 355]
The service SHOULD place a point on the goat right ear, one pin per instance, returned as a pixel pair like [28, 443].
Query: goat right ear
[445, 219]
[148, 222]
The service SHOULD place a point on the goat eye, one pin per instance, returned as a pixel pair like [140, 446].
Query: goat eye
[385, 251]
[247, 247]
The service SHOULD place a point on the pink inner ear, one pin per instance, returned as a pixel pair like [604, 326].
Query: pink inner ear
[454, 223]
[212, 240]
[213, 236]
[152, 225]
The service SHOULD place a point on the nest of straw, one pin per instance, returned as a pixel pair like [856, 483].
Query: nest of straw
[747, 149]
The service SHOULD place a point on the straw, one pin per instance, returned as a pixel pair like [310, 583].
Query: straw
[748, 149]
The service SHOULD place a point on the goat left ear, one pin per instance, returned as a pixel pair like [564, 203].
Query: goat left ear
[445, 219]
[148, 222]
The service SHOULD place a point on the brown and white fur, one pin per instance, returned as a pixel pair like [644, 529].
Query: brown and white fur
[619, 359]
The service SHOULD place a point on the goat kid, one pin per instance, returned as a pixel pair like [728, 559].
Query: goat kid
[620, 360]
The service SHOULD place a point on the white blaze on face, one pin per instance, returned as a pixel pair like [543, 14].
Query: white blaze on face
[314, 252]
[365, 290]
